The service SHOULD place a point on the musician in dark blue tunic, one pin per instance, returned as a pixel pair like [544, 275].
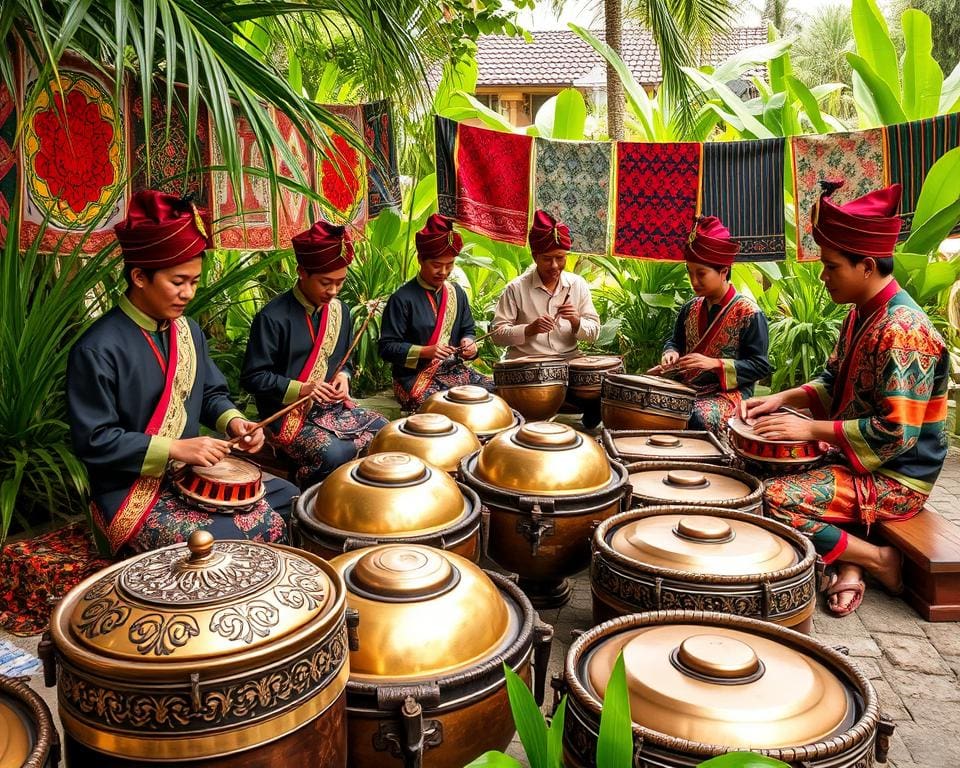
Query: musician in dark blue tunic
[427, 329]
[296, 345]
[140, 382]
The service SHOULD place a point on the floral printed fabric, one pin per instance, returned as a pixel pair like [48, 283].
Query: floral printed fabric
[572, 183]
[856, 158]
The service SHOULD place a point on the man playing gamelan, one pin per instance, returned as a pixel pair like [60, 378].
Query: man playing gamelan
[547, 310]
[881, 402]
[140, 382]
[719, 343]
[427, 324]
[296, 344]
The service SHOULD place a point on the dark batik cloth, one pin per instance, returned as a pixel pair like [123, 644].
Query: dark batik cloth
[446, 143]
[409, 319]
[114, 382]
[280, 343]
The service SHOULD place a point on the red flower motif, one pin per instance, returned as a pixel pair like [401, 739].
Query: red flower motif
[339, 180]
[74, 153]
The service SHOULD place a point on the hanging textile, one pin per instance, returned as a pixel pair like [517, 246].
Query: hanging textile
[856, 158]
[292, 206]
[493, 183]
[445, 131]
[655, 198]
[572, 183]
[8, 155]
[341, 174]
[743, 187]
[382, 191]
[912, 149]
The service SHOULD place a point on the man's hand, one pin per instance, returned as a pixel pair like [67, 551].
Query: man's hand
[320, 391]
[753, 408]
[468, 348]
[252, 435]
[695, 362]
[341, 386]
[437, 351]
[199, 451]
[669, 358]
[787, 426]
[569, 313]
[543, 324]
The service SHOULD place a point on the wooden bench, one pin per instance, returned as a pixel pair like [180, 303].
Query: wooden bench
[931, 563]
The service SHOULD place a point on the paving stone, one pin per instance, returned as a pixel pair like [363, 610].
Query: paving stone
[915, 685]
[898, 754]
[868, 667]
[916, 654]
[860, 645]
[942, 716]
[946, 637]
[928, 747]
[880, 613]
[890, 703]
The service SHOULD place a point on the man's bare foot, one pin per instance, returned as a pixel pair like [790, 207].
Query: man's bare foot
[845, 591]
[889, 569]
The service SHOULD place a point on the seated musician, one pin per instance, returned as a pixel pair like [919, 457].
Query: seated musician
[881, 402]
[296, 346]
[719, 342]
[547, 310]
[140, 382]
[427, 326]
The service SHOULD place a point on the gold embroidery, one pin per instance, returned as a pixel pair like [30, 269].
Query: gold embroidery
[425, 376]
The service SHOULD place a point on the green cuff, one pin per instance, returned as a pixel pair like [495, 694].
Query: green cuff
[226, 417]
[158, 454]
[728, 374]
[413, 356]
[293, 391]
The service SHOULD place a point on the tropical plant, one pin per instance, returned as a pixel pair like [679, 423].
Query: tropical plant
[819, 56]
[781, 16]
[945, 16]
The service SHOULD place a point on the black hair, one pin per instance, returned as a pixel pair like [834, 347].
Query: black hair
[884, 263]
[128, 273]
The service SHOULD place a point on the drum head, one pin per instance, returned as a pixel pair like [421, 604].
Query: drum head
[744, 430]
[528, 360]
[645, 380]
[228, 471]
[596, 362]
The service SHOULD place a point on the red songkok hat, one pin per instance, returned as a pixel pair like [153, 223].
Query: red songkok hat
[324, 247]
[547, 234]
[710, 243]
[437, 239]
[867, 226]
[161, 231]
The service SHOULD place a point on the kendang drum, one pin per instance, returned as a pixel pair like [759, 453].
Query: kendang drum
[703, 684]
[431, 635]
[231, 485]
[631, 445]
[28, 738]
[482, 412]
[697, 485]
[386, 498]
[587, 374]
[534, 386]
[433, 437]
[705, 559]
[230, 654]
[545, 486]
[772, 457]
[645, 402]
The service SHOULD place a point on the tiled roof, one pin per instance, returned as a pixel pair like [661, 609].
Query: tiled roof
[561, 58]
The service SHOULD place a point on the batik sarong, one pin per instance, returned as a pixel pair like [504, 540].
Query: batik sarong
[447, 375]
[383, 177]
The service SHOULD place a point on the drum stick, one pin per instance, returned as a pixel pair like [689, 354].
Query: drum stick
[565, 297]
[261, 424]
[356, 338]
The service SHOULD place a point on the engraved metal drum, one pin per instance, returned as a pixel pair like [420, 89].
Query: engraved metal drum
[534, 386]
[692, 484]
[433, 437]
[430, 635]
[229, 486]
[587, 374]
[772, 457]
[28, 738]
[631, 445]
[703, 684]
[482, 412]
[704, 559]
[645, 402]
[228, 653]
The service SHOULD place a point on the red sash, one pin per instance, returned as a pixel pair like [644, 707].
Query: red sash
[446, 316]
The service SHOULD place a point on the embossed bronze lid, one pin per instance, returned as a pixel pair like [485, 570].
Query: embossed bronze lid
[718, 685]
[433, 437]
[423, 612]
[647, 381]
[482, 412]
[205, 603]
[670, 483]
[665, 445]
[543, 456]
[708, 544]
[389, 494]
[16, 739]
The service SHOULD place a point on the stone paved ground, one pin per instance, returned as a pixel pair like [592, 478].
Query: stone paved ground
[914, 665]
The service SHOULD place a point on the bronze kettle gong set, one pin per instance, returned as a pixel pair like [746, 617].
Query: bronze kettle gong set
[379, 641]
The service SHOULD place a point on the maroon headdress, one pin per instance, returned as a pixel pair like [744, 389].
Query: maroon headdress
[867, 226]
[710, 243]
[161, 231]
[324, 247]
[438, 238]
[547, 234]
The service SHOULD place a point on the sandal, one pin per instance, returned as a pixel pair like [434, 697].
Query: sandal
[836, 587]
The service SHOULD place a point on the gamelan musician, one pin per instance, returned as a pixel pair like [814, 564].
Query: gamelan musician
[140, 382]
[297, 343]
[719, 343]
[881, 402]
[427, 325]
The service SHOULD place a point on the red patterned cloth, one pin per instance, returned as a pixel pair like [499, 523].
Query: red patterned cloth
[656, 199]
[493, 183]
[36, 573]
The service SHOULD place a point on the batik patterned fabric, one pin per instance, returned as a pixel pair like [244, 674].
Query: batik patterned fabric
[75, 148]
[743, 187]
[166, 165]
[383, 191]
[493, 183]
[856, 158]
[572, 184]
[341, 174]
[292, 208]
[445, 131]
[656, 194]
[453, 374]
[912, 149]
[8, 156]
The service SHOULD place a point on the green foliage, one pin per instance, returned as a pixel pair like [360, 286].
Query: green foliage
[742, 760]
[615, 740]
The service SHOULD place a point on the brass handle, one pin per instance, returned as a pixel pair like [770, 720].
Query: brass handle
[411, 714]
[885, 729]
[200, 545]
[49, 658]
[353, 629]
[542, 640]
[559, 686]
